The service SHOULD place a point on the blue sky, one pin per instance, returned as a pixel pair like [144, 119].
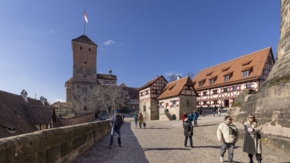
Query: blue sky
[149, 38]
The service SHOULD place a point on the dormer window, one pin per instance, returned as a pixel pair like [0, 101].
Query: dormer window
[247, 71]
[246, 63]
[225, 69]
[228, 76]
[212, 80]
[200, 84]
[208, 74]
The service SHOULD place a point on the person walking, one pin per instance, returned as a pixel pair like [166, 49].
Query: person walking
[228, 135]
[140, 120]
[252, 139]
[190, 118]
[183, 116]
[116, 123]
[219, 112]
[195, 117]
[135, 119]
[188, 132]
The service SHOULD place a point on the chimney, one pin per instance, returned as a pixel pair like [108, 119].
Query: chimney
[24, 95]
[42, 100]
[178, 77]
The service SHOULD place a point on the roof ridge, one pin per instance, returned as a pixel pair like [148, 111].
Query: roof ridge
[236, 58]
[177, 80]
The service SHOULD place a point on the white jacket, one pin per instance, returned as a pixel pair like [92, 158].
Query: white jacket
[223, 133]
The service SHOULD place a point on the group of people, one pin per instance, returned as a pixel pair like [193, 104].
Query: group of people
[190, 117]
[140, 119]
[227, 134]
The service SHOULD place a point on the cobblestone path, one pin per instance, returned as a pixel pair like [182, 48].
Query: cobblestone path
[162, 141]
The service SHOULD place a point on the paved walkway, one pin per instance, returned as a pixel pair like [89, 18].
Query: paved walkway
[162, 141]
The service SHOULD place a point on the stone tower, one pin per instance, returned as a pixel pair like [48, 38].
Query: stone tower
[84, 78]
[271, 105]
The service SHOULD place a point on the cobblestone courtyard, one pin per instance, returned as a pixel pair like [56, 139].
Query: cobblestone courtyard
[162, 141]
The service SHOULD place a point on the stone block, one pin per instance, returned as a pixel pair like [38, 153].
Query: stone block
[53, 154]
[6, 151]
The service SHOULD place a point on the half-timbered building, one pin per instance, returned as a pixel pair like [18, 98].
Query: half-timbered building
[159, 99]
[220, 84]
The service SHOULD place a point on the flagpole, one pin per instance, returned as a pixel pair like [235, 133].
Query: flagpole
[84, 23]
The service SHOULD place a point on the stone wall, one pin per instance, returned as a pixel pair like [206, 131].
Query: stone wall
[78, 119]
[57, 145]
[271, 103]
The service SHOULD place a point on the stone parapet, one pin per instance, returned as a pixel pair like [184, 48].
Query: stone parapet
[57, 145]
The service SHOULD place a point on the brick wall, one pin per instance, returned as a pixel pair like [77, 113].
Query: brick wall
[57, 145]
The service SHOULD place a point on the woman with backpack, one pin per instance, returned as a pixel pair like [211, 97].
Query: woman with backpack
[140, 120]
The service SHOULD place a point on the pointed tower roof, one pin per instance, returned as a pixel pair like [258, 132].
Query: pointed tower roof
[84, 39]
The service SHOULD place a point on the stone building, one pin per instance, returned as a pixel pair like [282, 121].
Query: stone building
[162, 100]
[80, 89]
[133, 97]
[219, 85]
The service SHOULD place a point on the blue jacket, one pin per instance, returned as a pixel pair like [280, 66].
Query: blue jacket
[195, 115]
[190, 117]
[135, 117]
[116, 121]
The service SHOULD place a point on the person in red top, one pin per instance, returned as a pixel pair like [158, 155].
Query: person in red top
[183, 116]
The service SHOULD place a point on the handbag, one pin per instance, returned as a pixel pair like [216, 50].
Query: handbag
[258, 135]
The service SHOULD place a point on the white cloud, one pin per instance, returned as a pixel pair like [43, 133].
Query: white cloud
[173, 72]
[102, 49]
[52, 30]
[109, 42]
[60, 100]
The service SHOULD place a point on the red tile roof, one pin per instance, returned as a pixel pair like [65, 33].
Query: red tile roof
[148, 84]
[255, 60]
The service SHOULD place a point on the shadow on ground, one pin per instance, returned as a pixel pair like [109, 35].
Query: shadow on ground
[130, 152]
[160, 149]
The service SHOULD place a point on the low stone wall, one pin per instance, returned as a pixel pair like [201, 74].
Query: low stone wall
[57, 145]
[78, 119]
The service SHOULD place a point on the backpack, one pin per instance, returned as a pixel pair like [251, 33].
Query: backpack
[118, 122]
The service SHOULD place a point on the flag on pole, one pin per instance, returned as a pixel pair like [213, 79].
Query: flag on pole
[86, 18]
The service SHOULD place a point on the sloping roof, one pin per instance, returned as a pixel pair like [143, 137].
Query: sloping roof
[174, 88]
[69, 81]
[13, 116]
[84, 39]
[148, 84]
[106, 76]
[40, 114]
[133, 92]
[256, 60]
[123, 85]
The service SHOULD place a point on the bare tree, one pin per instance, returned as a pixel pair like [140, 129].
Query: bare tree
[172, 76]
[190, 74]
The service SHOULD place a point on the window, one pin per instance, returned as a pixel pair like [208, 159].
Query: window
[204, 103]
[215, 92]
[85, 62]
[215, 102]
[81, 48]
[84, 76]
[204, 93]
[147, 92]
[187, 103]
[235, 88]
[144, 108]
[89, 49]
[173, 103]
[249, 86]
[197, 103]
[211, 81]
[225, 89]
[245, 74]
[85, 108]
[200, 83]
[227, 78]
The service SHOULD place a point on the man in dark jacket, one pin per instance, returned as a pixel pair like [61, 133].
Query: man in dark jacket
[116, 123]
[188, 132]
